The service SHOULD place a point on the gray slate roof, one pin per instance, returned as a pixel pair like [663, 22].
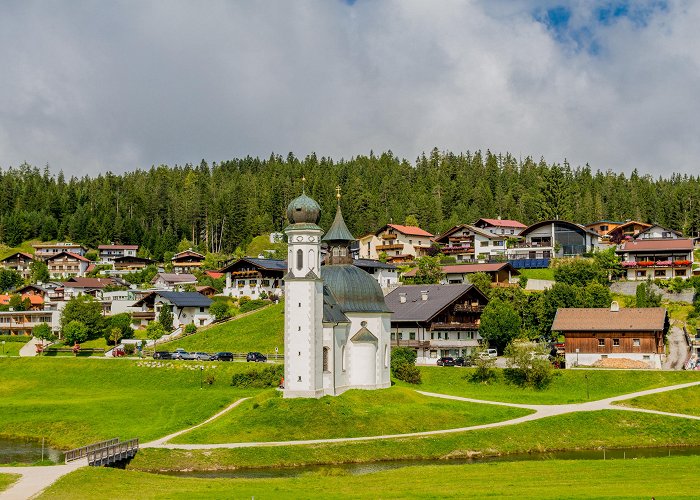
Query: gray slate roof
[176, 278]
[185, 299]
[416, 309]
[369, 264]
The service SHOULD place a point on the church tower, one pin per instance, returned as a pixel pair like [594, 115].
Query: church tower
[303, 311]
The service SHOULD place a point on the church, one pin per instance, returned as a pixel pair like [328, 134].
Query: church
[336, 322]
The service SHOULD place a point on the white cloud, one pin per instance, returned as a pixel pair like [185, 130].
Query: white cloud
[117, 86]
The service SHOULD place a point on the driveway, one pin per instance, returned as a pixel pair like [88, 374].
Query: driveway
[678, 349]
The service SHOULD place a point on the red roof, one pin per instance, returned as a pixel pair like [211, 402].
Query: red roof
[504, 223]
[74, 255]
[35, 300]
[118, 247]
[656, 245]
[412, 230]
[214, 274]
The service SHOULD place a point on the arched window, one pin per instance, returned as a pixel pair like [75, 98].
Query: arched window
[300, 259]
[386, 356]
[342, 358]
[336, 251]
[326, 350]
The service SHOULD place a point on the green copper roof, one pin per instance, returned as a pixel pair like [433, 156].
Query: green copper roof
[338, 230]
[303, 210]
[363, 335]
[355, 290]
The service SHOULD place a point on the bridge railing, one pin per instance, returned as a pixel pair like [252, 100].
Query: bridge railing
[113, 452]
[78, 453]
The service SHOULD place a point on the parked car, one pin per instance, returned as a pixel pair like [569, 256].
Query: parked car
[488, 353]
[180, 353]
[222, 356]
[162, 355]
[202, 356]
[446, 361]
[256, 357]
[461, 361]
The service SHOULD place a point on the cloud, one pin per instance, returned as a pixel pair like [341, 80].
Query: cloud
[90, 87]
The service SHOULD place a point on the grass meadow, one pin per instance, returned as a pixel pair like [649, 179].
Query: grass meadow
[686, 401]
[6, 480]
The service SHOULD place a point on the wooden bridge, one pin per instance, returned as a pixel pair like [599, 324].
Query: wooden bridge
[105, 452]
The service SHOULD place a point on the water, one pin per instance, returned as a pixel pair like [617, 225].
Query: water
[26, 451]
[369, 468]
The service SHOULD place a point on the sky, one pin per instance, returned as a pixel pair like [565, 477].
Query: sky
[92, 86]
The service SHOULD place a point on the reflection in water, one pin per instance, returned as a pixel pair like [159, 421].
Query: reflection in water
[369, 468]
[26, 451]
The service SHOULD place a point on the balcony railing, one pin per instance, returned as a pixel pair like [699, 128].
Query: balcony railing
[395, 246]
[457, 249]
[388, 236]
[532, 244]
[468, 308]
[454, 326]
[659, 263]
[410, 343]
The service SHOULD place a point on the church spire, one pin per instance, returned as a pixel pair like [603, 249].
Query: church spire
[338, 238]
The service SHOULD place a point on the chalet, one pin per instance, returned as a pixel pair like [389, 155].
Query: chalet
[173, 281]
[67, 264]
[656, 232]
[108, 253]
[501, 273]
[130, 264]
[20, 262]
[187, 307]
[47, 291]
[88, 286]
[626, 231]
[251, 276]
[471, 244]
[603, 227]
[36, 302]
[502, 227]
[46, 250]
[656, 258]
[384, 272]
[547, 239]
[187, 261]
[599, 333]
[23, 322]
[436, 320]
[399, 243]
[207, 291]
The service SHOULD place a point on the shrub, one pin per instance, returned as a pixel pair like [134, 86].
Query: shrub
[129, 349]
[243, 300]
[209, 379]
[528, 365]
[219, 310]
[403, 365]
[485, 367]
[408, 373]
[190, 329]
[75, 332]
[251, 305]
[270, 376]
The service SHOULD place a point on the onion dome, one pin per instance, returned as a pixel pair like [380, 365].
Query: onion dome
[354, 290]
[303, 210]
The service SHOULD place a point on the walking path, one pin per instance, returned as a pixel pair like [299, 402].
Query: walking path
[678, 350]
[29, 349]
[35, 479]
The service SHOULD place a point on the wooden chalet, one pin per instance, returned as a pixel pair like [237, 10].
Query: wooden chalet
[20, 262]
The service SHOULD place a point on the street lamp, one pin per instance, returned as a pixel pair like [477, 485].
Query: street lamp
[201, 374]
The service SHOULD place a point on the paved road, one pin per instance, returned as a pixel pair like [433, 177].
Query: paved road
[678, 349]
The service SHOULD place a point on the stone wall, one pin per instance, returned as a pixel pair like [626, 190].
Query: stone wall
[630, 288]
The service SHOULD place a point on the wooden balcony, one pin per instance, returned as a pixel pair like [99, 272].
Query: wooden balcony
[454, 326]
[410, 343]
[245, 274]
[395, 246]
[141, 315]
[457, 249]
[388, 236]
[468, 308]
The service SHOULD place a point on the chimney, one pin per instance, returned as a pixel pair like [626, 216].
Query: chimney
[614, 307]
[424, 294]
[402, 298]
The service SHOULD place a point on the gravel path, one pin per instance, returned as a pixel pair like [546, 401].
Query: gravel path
[678, 350]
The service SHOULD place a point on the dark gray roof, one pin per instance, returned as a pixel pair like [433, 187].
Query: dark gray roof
[185, 299]
[354, 289]
[376, 264]
[338, 230]
[363, 335]
[267, 264]
[331, 310]
[416, 309]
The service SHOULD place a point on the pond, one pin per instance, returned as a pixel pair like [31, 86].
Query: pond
[369, 468]
[26, 451]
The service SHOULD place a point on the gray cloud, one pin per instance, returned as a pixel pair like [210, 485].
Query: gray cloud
[94, 86]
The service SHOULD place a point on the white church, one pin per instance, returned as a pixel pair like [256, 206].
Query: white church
[336, 323]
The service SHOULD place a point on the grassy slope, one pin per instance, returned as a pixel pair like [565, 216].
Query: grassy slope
[13, 346]
[585, 430]
[396, 410]
[74, 402]
[7, 479]
[261, 331]
[569, 386]
[538, 274]
[685, 401]
[657, 477]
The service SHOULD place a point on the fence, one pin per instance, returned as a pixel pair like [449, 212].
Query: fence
[113, 453]
[78, 453]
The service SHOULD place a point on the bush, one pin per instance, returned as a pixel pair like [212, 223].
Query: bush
[270, 376]
[190, 329]
[243, 300]
[485, 368]
[528, 365]
[408, 373]
[75, 332]
[251, 305]
[129, 349]
[403, 365]
[219, 310]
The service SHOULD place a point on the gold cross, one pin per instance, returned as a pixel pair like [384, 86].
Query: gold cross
[303, 184]
[337, 192]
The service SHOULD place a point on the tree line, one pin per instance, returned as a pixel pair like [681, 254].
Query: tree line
[222, 206]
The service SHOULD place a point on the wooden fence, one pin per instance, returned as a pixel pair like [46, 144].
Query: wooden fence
[78, 453]
[113, 453]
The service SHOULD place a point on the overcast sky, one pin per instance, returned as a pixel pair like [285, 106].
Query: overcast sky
[93, 86]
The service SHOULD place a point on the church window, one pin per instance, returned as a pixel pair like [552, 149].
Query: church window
[299, 379]
[386, 356]
[393, 336]
[299, 304]
[325, 359]
[298, 328]
[300, 259]
[342, 358]
[343, 252]
[336, 251]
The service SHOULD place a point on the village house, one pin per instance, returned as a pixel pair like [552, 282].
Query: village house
[626, 231]
[36, 302]
[88, 286]
[603, 227]
[20, 262]
[644, 258]
[399, 243]
[656, 232]
[470, 244]
[23, 322]
[501, 227]
[67, 264]
[187, 308]
[130, 264]
[385, 273]
[592, 334]
[107, 253]
[49, 292]
[436, 320]
[250, 277]
[547, 239]
[501, 273]
[173, 281]
[46, 250]
[187, 261]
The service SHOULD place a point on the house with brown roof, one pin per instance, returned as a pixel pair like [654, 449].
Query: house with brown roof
[471, 244]
[592, 334]
[501, 273]
[436, 320]
[20, 262]
[656, 258]
[603, 227]
[67, 264]
[130, 264]
[502, 227]
[187, 261]
[400, 243]
[36, 302]
[626, 231]
[88, 286]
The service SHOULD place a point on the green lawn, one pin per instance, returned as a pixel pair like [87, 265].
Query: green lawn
[686, 401]
[73, 402]
[13, 343]
[261, 331]
[584, 430]
[538, 274]
[644, 478]
[6, 480]
[269, 417]
[569, 386]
